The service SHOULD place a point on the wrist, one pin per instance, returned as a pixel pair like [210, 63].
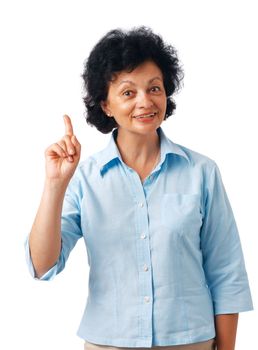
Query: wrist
[55, 186]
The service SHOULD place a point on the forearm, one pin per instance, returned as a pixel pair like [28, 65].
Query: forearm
[226, 329]
[45, 236]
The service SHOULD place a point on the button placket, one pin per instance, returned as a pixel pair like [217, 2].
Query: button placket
[145, 276]
[143, 258]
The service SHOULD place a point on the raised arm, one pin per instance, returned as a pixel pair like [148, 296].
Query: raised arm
[61, 160]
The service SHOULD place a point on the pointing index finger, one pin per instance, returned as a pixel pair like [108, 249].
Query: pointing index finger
[68, 125]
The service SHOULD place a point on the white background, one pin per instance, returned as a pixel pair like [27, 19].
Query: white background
[43, 47]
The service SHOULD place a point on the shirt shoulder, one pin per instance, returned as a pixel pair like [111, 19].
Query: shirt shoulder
[197, 159]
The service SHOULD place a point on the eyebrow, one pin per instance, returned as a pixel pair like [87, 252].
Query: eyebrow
[131, 82]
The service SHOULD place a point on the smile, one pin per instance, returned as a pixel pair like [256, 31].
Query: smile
[150, 115]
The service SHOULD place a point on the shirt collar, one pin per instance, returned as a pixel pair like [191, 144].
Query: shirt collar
[108, 155]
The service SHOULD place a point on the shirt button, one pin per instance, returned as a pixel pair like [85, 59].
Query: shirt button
[146, 299]
[141, 204]
[145, 267]
[143, 236]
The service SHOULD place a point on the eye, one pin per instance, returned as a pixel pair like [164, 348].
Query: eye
[155, 88]
[127, 93]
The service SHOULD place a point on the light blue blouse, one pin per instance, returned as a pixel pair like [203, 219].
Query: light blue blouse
[164, 255]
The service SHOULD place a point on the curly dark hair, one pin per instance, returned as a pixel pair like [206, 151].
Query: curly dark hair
[122, 50]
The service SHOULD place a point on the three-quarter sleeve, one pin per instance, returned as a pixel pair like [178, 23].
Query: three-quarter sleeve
[70, 232]
[223, 259]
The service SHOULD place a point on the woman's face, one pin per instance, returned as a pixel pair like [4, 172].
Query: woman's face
[137, 100]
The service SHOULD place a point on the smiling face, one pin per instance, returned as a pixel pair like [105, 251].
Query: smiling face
[137, 100]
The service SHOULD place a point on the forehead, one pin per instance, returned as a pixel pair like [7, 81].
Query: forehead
[144, 72]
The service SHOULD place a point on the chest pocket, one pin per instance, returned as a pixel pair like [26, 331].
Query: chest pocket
[181, 212]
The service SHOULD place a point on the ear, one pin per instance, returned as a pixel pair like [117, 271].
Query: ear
[105, 108]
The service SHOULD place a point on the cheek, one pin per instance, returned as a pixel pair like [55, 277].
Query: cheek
[161, 103]
[125, 107]
[165, 103]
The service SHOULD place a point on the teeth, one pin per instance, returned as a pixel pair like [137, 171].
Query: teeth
[146, 116]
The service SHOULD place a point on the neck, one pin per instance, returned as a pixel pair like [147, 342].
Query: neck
[138, 150]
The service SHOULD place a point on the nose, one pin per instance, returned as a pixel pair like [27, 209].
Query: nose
[144, 100]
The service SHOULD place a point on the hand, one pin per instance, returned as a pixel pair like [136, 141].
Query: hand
[63, 157]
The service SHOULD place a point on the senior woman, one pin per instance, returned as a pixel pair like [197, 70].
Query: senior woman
[166, 264]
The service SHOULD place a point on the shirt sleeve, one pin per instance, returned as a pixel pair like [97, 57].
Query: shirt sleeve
[223, 259]
[70, 231]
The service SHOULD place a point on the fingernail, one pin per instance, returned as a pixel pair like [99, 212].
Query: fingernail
[71, 151]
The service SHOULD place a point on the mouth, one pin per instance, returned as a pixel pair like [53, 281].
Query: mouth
[146, 116]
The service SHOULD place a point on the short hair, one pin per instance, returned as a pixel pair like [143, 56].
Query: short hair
[121, 50]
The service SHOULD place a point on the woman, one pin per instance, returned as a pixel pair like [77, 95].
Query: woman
[166, 264]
